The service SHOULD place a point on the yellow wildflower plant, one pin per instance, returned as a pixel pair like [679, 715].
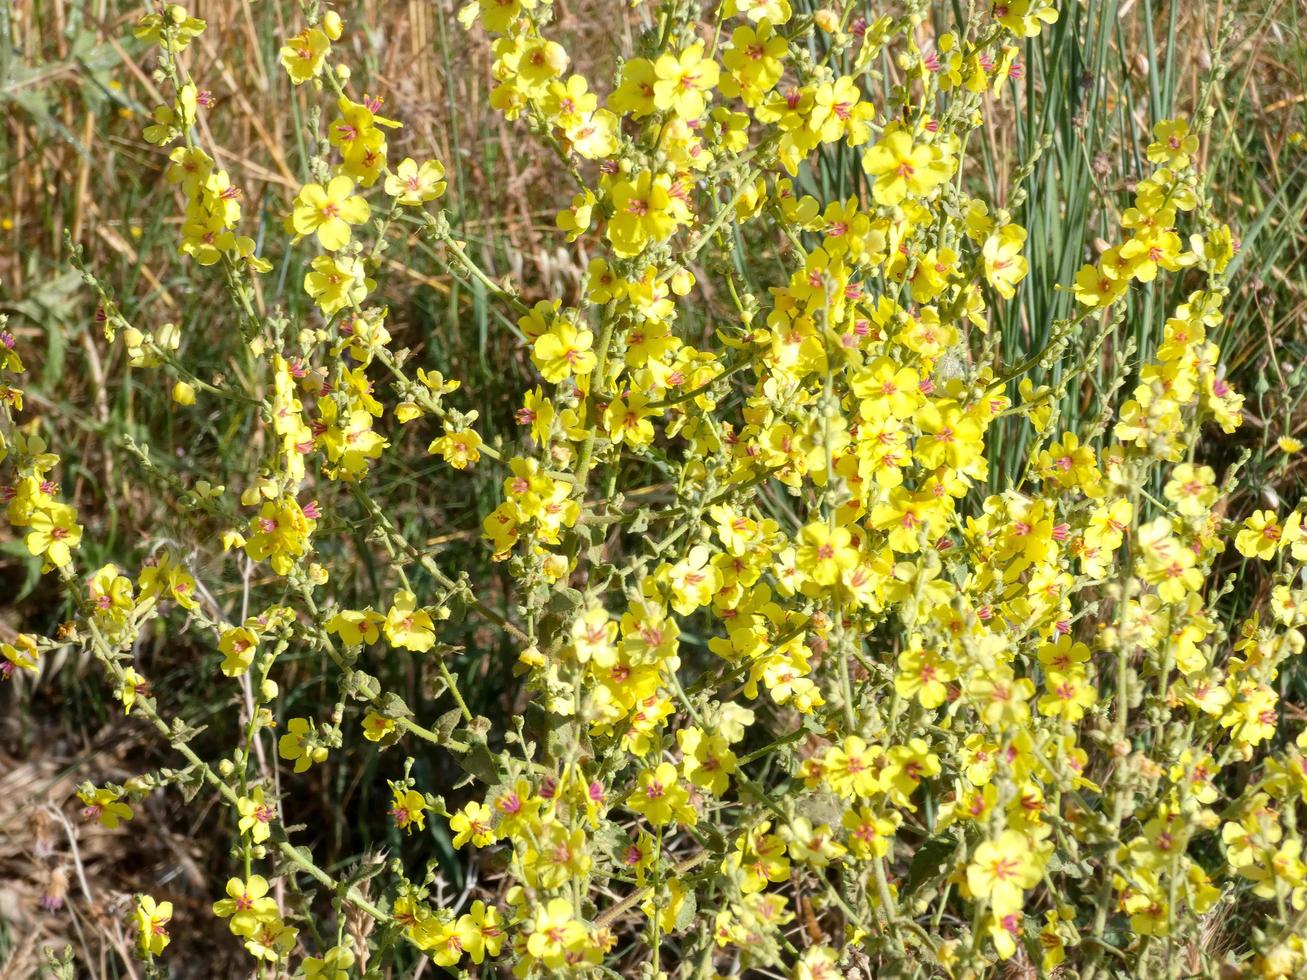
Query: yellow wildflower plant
[842, 638]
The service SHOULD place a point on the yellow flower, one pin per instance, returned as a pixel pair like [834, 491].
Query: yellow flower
[337, 282]
[1095, 288]
[815, 847]
[255, 815]
[626, 419]
[575, 219]
[1005, 266]
[172, 30]
[349, 440]
[247, 905]
[409, 808]
[635, 93]
[708, 760]
[238, 645]
[271, 940]
[205, 237]
[329, 211]
[1173, 145]
[660, 798]
[556, 856]
[949, 437]
[152, 920]
[907, 766]
[281, 533]
[1001, 870]
[870, 834]
[443, 940]
[133, 684]
[923, 674]
[839, 114]
[1192, 489]
[903, 168]
[299, 744]
[684, 82]
[362, 144]
[758, 858]
[334, 964]
[407, 626]
[555, 933]
[1261, 536]
[776, 11]
[22, 654]
[413, 185]
[1025, 18]
[356, 627]
[110, 593]
[887, 389]
[564, 350]
[376, 727]
[826, 552]
[538, 412]
[473, 823]
[906, 517]
[539, 62]
[104, 805]
[1001, 699]
[693, 581]
[1069, 695]
[644, 213]
[54, 534]
[482, 932]
[303, 55]
[460, 448]
[755, 60]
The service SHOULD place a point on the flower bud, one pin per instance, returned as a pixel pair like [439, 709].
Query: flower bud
[827, 20]
[225, 768]
[268, 690]
[332, 25]
[183, 393]
[169, 336]
[342, 72]
[531, 657]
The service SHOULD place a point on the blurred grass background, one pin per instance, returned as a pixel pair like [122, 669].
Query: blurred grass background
[74, 87]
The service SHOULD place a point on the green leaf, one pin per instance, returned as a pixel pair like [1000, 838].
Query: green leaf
[930, 862]
[362, 686]
[447, 722]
